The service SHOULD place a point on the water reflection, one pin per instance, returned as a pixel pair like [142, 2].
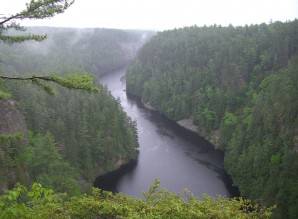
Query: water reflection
[109, 181]
[177, 157]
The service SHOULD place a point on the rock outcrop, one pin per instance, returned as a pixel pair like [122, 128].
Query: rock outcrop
[13, 134]
[11, 119]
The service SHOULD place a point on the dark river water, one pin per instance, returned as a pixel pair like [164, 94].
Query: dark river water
[178, 158]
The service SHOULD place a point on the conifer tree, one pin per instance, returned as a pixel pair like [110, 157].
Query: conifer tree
[39, 9]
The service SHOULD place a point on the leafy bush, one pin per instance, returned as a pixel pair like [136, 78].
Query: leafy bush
[39, 202]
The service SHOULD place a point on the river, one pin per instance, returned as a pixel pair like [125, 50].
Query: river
[178, 158]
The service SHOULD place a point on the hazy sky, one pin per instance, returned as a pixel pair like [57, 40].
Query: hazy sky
[163, 14]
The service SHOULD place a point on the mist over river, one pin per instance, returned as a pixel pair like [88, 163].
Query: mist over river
[177, 157]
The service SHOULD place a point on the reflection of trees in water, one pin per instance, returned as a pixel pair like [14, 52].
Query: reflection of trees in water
[154, 128]
[109, 181]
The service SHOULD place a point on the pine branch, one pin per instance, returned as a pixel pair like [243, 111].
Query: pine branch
[40, 9]
[36, 9]
[72, 81]
[26, 79]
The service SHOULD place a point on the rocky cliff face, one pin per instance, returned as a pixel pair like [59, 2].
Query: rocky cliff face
[11, 119]
[12, 124]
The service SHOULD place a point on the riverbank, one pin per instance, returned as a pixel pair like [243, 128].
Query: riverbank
[109, 180]
[178, 157]
[150, 107]
[188, 128]
[189, 125]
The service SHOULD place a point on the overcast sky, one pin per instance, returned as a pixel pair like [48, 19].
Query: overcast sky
[163, 14]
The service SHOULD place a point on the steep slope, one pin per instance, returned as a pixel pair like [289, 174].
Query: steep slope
[95, 51]
[13, 136]
[11, 119]
[74, 136]
[238, 85]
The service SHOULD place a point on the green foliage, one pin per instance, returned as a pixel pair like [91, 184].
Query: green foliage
[239, 82]
[229, 119]
[47, 166]
[6, 138]
[39, 9]
[76, 81]
[47, 88]
[73, 81]
[5, 94]
[89, 132]
[21, 38]
[10, 149]
[159, 203]
[23, 203]
[96, 51]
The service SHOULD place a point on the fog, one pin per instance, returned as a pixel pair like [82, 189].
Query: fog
[162, 15]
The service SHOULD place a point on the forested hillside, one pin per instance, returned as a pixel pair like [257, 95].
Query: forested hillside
[75, 135]
[96, 51]
[239, 86]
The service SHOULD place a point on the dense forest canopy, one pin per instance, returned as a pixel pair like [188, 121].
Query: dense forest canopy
[11, 31]
[39, 202]
[239, 86]
[75, 135]
[95, 51]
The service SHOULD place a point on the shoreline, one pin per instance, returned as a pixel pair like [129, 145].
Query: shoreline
[188, 125]
[108, 181]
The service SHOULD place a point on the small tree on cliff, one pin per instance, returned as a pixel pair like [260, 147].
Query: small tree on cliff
[39, 9]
